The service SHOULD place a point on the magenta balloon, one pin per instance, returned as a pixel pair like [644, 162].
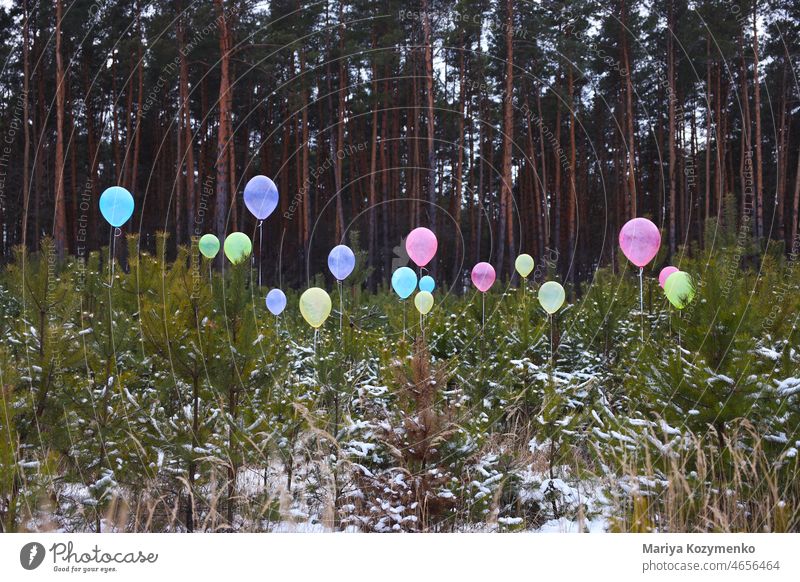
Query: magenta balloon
[421, 246]
[483, 276]
[640, 240]
[665, 273]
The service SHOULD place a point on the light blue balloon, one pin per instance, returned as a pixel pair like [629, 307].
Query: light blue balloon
[116, 205]
[276, 301]
[261, 196]
[404, 281]
[427, 284]
[341, 262]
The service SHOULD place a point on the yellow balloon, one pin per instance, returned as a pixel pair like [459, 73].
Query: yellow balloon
[524, 265]
[423, 301]
[315, 306]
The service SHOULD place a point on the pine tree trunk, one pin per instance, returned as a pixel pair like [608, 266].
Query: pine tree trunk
[186, 119]
[671, 137]
[629, 119]
[427, 41]
[60, 219]
[506, 198]
[222, 164]
[757, 106]
[26, 80]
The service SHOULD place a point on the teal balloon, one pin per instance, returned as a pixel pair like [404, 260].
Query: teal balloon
[427, 284]
[404, 281]
[116, 205]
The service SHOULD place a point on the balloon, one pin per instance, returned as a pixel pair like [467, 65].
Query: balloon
[679, 289]
[315, 306]
[276, 301]
[208, 245]
[551, 296]
[640, 240]
[237, 247]
[421, 245]
[261, 196]
[423, 301]
[483, 276]
[116, 205]
[404, 281]
[427, 284]
[524, 265]
[341, 261]
[664, 275]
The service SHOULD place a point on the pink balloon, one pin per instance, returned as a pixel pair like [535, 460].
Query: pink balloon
[664, 275]
[483, 276]
[640, 240]
[421, 245]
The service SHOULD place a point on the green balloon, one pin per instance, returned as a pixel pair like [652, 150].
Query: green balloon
[551, 296]
[209, 246]
[679, 289]
[238, 247]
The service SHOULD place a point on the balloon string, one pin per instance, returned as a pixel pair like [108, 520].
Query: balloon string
[483, 312]
[341, 307]
[404, 318]
[552, 354]
[641, 302]
[260, 238]
[113, 255]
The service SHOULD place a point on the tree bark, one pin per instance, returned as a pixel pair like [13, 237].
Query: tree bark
[757, 105]
[60, 219]
[221, 206]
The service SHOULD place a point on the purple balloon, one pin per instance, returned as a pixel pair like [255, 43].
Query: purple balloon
[261, 196]
[341, 262]
[276, 301]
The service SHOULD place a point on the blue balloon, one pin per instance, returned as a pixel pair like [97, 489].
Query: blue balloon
[427, 284]
[276, 301]
[404, 281]
[341, 262]
[116, 205]
[261, 196]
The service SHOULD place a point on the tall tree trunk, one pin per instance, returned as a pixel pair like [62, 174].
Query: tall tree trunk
[60, 218]
[137, 138]
[186, 122]
[222, 164]
[572, 199]
[26, 80]
[746, 142]
[757, 105]
[455, 207]
[629, 119]
[305, 218]
[428, 43]
[707, 199]
[506, 234]
[372, 243]
[671, 137]
[338, 149]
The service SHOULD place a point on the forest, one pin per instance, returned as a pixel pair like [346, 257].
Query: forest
[146, 387]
